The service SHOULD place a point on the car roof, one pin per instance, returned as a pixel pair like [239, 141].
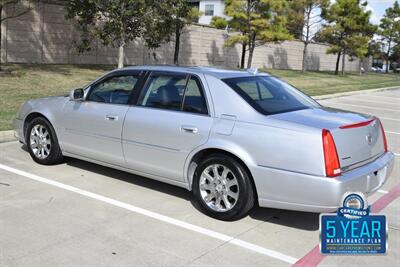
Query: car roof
[216, 72]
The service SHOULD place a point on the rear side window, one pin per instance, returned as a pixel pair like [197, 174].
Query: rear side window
[194, 98]
[164, 91]
[178, 92]
[269, 95]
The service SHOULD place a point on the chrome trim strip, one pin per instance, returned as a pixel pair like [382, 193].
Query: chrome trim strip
[125, 141]
[99, 136]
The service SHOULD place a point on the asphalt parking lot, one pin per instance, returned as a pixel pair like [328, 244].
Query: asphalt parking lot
[78, 213]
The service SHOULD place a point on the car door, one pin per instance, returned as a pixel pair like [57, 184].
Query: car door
[92, 128]
[170, 119]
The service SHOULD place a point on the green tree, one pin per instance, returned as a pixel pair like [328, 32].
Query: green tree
[219, 22]
[14, 9]
[390, 30]
[348, 29]
[304, 16]
[256, 22]
[114, 22]
[395, 57]
[177, 15]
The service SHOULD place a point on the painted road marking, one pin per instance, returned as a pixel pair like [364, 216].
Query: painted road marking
[371, 101]
[361, 106]
[383, 191]
[314, 257]
[387, 97]
[389, 132]
[397, 154]
[157, 216]
[389, 119]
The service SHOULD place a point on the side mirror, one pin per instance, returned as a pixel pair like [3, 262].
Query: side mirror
[77, 94]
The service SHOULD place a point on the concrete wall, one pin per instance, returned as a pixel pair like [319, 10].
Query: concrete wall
[44, 36]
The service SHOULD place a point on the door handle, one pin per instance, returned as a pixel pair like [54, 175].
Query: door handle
[111, 117]
[189, 129]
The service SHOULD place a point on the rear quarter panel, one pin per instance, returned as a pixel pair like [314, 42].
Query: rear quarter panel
[297, 149]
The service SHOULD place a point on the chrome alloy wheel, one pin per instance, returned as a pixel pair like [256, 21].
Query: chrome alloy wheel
[40, 141]
[219, 188]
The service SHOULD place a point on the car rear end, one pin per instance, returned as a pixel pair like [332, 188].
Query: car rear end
[357, 157]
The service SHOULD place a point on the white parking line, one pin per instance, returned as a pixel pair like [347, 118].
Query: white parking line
[361, 106]
[396, 154]
[390, 132]
[389, 119]
[371, 101]
[157, 216]
[383, 191]
[386, 97]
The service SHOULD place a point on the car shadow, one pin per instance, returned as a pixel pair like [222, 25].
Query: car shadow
[130, 178]
[294, 219]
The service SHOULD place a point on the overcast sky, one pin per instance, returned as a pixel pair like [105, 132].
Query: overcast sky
[378, 8]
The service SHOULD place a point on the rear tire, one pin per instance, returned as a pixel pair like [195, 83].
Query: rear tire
[42, 142]
[222, 188]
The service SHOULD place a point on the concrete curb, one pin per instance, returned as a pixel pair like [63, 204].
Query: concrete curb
[7, 136]
[359, 92]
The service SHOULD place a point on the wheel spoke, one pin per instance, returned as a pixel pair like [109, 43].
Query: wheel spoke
[36, 151]
[227, 204]
[225, 173]
[206, 187]
[215, 171]
[209, 197]
[231, 183]
[218, 203]
[207, 176]
[233, 195]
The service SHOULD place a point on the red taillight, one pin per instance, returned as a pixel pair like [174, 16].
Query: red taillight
[332, 164]
[383, 136]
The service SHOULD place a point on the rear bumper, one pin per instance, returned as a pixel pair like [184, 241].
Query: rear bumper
[295, 191]
[18, 126]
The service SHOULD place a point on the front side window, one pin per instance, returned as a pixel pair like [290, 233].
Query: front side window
[115, 90]
[269, 95]
[174, 92]
[209, 10]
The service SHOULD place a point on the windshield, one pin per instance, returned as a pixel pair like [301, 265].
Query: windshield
[269, 95]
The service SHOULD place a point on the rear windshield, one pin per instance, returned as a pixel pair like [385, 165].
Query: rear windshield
[269, 95]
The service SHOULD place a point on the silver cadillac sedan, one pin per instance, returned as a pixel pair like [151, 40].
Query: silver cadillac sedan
[234, 138]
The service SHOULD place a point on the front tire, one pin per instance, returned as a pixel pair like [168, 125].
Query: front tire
[223, 188]
[42, 142]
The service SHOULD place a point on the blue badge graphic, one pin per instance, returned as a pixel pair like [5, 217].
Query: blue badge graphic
[353, 230]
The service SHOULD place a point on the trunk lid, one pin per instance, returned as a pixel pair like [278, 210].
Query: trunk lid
[358, 138]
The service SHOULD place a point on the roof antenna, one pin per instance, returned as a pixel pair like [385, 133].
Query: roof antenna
[253, 71]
